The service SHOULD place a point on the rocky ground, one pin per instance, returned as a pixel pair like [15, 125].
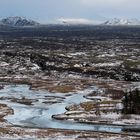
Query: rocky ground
[69, 64]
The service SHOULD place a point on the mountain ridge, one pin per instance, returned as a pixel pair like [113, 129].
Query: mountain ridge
[18, 22]
[117, 21]
[24, 22]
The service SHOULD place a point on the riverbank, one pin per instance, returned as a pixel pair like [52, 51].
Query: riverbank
[58, 134]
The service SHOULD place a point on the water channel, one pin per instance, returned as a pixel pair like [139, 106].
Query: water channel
[39, 114]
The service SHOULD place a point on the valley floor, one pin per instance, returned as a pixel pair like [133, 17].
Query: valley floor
[69, 85]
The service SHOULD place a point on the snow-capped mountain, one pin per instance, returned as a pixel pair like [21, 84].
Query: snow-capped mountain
[18, 21]
[116, 21]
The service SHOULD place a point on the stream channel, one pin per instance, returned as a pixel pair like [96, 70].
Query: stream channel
[39, 114]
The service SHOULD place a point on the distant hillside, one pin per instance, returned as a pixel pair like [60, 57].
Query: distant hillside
[18, 21]
[116, 21]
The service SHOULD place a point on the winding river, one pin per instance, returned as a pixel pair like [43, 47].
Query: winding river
[39, 114]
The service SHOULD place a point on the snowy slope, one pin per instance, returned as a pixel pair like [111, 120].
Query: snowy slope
[18, 21]
[116, 21]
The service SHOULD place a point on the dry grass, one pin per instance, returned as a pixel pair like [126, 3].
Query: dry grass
[62, 88]
[4, 111]
[88, 106]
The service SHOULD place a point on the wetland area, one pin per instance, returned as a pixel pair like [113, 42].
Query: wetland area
[70, 82]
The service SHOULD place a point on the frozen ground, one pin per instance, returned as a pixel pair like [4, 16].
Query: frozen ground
[75, 78]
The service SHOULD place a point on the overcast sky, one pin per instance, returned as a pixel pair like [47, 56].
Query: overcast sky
[83, 10]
